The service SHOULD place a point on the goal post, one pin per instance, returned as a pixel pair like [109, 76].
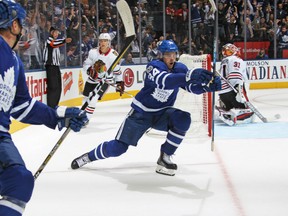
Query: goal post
[199, 106]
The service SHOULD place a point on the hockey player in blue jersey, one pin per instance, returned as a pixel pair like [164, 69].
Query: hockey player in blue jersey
[16, 182]
[153, 108]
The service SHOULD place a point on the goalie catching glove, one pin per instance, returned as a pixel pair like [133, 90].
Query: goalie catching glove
[71, 117]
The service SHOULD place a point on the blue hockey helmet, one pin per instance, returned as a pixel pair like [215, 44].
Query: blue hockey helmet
[10, 11]
[167, 46]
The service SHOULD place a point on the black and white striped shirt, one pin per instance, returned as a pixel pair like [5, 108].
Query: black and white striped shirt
[51, 54]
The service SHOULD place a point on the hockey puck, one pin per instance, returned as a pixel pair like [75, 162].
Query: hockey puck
[277, 116]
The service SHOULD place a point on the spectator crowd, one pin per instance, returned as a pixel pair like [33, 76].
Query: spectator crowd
[83, 21]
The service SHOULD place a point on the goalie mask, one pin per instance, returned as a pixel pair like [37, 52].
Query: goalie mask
[230, 49]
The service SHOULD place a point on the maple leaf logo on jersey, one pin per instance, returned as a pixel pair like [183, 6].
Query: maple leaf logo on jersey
[7, 89]
[161, 94]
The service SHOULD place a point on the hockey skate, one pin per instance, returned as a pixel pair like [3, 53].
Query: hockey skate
[165, 165]
[80, 161]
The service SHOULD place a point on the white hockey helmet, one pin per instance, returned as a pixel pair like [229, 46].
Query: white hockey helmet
[105, 36]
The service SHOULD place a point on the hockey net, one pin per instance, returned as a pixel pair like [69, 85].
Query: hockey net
[199, 106]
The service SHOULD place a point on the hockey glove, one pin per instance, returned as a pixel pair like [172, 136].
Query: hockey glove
[215, 85]
[71, 117]
[199, 76]
[120, 87]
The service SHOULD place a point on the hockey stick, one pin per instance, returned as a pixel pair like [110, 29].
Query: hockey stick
[248, 103]
[116, 87]
[127, 19]
[215, 49]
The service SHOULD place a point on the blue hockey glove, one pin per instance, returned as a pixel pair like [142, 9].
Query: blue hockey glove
[199, 76]
[213, 86]
[71, 117]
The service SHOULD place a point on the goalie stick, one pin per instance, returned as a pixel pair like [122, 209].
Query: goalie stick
[127, 19]
[249, 104]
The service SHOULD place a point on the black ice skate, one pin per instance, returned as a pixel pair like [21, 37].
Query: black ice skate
[80, 161]
[165, 165]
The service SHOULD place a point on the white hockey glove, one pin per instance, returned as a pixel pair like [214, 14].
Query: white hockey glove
[239, 97]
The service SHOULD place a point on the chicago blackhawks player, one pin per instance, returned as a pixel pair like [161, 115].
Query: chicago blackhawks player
[232, 108]
[96, 65]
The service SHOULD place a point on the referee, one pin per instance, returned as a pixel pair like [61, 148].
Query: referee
[52, 64]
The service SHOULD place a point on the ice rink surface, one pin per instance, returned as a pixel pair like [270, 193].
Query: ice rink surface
[246, 175]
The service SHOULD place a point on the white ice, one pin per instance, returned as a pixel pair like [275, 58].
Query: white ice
[246, 175]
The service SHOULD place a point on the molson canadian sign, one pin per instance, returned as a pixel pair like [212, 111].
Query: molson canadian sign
[267, 70]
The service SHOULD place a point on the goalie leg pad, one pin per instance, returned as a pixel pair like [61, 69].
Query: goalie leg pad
[228, 117]
[245, 116]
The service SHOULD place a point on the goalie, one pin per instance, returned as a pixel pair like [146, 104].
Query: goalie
[97, 63]
[153, 107]
[232, 108]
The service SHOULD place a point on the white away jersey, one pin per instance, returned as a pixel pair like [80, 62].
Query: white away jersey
[108, 58]
[233, 69]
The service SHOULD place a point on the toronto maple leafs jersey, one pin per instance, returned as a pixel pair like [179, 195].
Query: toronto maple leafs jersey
[161, 86]
[15, 99]
[108, 58]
